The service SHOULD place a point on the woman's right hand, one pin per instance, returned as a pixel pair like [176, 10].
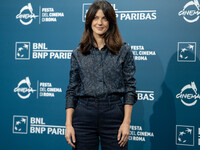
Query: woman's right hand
[70, 134]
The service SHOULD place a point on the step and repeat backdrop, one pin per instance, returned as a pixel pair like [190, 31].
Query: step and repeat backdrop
[37, 39]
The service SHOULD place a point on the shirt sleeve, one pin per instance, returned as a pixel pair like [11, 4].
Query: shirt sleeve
[74, 81]
[129, 80]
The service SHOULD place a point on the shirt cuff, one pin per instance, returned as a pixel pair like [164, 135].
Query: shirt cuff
[130, 99]
[70, 103]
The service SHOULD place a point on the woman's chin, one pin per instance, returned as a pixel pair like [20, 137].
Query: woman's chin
[99, 33]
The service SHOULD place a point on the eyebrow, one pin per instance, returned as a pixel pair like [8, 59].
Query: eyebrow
[102, 17]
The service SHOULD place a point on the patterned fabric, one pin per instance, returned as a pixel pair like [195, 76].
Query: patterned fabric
[101, 73]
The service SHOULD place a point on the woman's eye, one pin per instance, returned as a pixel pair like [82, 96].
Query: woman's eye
[105, 18]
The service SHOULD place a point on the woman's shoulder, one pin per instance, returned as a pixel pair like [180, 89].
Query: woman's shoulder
[126, 48]
[76, 51]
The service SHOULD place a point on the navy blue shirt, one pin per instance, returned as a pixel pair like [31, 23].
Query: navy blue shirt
[101, 73]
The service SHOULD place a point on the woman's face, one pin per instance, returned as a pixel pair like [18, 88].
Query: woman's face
[99, 24]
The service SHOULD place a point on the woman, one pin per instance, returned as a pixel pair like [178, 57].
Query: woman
[101, 90]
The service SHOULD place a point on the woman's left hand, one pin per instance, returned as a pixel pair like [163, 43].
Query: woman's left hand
[123, 134]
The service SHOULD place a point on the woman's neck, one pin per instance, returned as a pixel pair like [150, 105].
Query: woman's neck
[100, 41]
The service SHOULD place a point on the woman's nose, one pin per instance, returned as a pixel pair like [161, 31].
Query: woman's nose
[99, 21]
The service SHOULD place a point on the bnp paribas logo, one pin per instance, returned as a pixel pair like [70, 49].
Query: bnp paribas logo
[22, 50]
[20, 124]
[186, 52]
[184, 135]
[191, 11]
[129, 15]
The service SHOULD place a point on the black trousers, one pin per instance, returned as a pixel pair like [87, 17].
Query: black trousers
[97, 121]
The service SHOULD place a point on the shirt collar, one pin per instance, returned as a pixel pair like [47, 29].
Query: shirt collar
[103, 48]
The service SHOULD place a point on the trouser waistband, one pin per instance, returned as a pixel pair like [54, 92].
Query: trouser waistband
[106, 99]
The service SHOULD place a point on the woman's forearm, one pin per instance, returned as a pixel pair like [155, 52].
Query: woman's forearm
[127, 113]
[69, 115]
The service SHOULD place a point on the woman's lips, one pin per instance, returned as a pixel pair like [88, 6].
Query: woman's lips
[99, 28]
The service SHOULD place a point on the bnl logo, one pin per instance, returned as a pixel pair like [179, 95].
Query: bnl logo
[22, 50]
[85, 8]
[185, 135]
[186, 52]
[20, 124]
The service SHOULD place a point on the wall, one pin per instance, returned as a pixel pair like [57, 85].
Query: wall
[35, 63]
